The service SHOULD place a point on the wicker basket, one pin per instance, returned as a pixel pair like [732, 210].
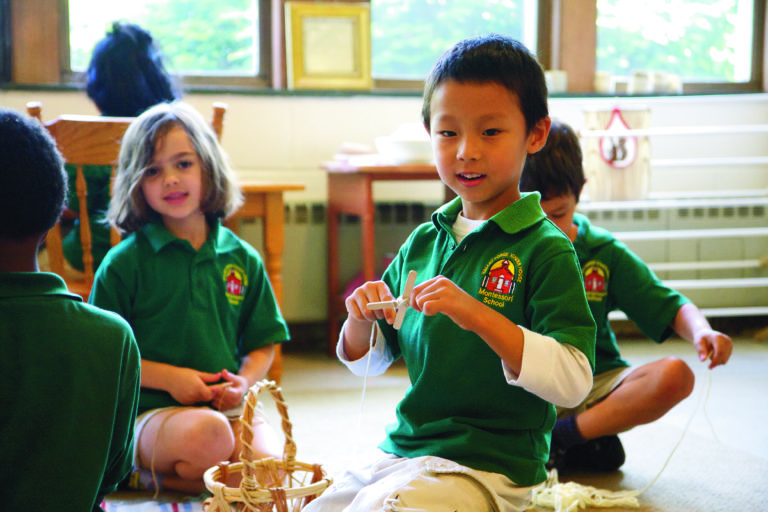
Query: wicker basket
[298, 482]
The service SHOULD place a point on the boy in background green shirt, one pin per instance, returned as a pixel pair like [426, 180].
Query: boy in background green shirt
[69, 371]
[614, 278]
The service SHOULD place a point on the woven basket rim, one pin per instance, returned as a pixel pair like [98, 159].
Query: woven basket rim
[288, 463]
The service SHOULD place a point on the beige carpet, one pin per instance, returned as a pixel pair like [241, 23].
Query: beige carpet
[721, 464]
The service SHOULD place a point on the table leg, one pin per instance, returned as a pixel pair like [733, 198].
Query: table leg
[274, 243]
[333, 267]
[350, 194]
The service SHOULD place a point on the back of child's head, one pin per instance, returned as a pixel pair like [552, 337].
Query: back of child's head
[33, 183]
[126, 74]
[128, 209]
[492, 58]
[556, 169]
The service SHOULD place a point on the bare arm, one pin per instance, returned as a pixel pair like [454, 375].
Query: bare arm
[693, 326]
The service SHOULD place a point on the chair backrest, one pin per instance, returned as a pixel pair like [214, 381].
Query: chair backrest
[91, 140]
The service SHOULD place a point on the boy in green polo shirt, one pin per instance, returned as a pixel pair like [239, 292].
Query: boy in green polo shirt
[501, 328]
[615, 278]
[69, 371]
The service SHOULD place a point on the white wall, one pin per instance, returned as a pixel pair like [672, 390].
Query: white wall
[286, 137]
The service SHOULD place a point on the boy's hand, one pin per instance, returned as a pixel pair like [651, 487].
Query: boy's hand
[190, 386]
[372, 291]
[709, 341]
[441, 295]
[229, 394]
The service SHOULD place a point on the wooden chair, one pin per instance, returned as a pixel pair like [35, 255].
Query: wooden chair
[90, 140]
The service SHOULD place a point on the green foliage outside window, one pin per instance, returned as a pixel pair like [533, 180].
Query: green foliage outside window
[195, 36]
[409, 35]
[700, 40]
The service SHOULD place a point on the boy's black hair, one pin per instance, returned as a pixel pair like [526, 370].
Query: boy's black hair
[126, 74]
[33, 183]
[556, 169]
[492, 58]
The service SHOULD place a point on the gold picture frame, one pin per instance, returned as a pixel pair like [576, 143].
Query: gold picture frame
[328, 45]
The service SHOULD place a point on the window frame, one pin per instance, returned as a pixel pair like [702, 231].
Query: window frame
[5, 41]
[567, 39]
[262, 79]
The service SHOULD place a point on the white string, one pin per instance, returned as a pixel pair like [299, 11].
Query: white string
[365, 387]
[571, 496]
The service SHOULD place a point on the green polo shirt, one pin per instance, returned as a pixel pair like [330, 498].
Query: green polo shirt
[203, 309]
[97, 179]
[459, 405]
[616, 279]
[70, 379]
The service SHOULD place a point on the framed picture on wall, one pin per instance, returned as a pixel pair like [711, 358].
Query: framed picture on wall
[328, 45]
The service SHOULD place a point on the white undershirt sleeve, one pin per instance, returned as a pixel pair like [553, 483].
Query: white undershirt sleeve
[380, 356]
[557, 372]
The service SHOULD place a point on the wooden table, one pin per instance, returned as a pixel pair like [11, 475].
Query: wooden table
[350, 191]
[264, 200]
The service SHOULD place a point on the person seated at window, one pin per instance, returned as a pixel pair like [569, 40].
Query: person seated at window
[125, 77]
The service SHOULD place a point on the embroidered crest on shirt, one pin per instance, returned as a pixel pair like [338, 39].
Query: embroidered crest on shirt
[595, 280]
[500, 276]
[235, 281]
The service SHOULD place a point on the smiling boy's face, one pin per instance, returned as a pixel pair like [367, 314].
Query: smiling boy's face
[479, 140]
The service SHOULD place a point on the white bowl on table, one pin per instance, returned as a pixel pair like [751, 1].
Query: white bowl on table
[400, 150]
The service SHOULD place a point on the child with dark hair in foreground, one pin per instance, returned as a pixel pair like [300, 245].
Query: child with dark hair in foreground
[622, 397]
[69, 371]
[501, 328]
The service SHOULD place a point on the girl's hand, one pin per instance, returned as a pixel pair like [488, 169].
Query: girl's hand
[441, 295]
[190, 386]
[357, 303]
[229, 394]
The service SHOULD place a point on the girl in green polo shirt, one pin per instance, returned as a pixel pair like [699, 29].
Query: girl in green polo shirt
[197, 297]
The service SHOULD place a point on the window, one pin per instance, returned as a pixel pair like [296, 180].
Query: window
[714, 45]
[699, 41]
[216, 38]
[407, 36]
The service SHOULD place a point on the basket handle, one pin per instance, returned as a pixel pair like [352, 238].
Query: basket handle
[246, 422]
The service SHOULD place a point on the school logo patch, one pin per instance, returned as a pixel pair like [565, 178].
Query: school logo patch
[235, 282]
[595, 280]
[500, 276]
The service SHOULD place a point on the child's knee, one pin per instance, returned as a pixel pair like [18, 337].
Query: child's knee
[676, 381]
[210, 438]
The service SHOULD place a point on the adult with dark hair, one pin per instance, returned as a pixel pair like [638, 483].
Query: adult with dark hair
[125, 77]
[69, 370]
[126, 74]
